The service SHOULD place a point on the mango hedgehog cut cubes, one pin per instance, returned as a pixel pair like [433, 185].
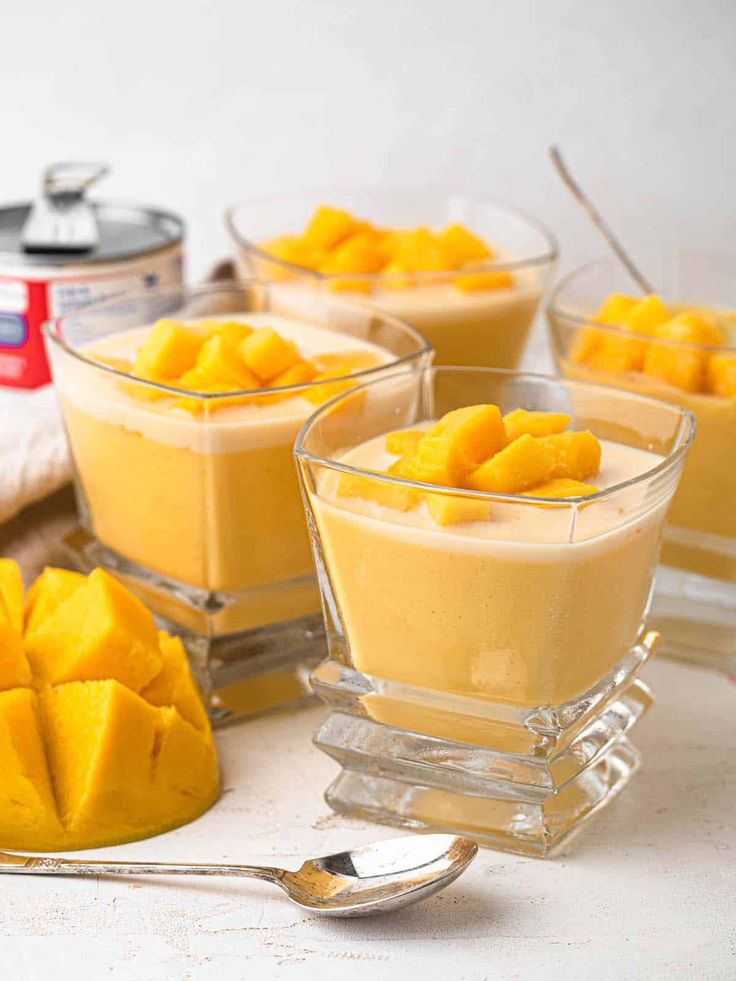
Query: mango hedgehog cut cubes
[103, 734]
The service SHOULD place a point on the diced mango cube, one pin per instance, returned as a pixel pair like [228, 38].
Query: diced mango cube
[493, 279]
[348, 362]
[51, 588]
[170, 349]
[534, 423]
[722, 375]
[124, 365]
[11, 590]
[15, 671]
[296, 251]
[219, 368]
[323, 391]
[328, 227]
[100, 631]
[460, 245]
[522, 464]
[397, 276]
[267, 353]
[446, 509]
[587, 342]
[561, 487]
[403, 441]
[436, 460]
[174, 684]
[575, 455]
[616, 354]
[419, 250]
[385, 493]
[477, 432]
[27, 805]
[616, 308]
[691, 328]
[647, 315]
[358, 254]
[299, 373]
[681, 367]
[232, 331]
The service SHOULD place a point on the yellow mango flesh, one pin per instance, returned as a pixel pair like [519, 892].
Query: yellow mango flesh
[267, 354]
[328, 227]
[647, 315]
[219, 366]
[460, 245]
[382, 492]
[51, 588]
[493, 279]
[100, 631]
[87, 763]
[168, 351]
[522, 421]
[561, 487]
[15, 672]
[28, 815]
[616, 308]
[519, 466]
[11, 590]
[476, 431]
[358, 254]
[403, 441]
[722, 374]
[174, 684]
[449, 510]
[575, 455]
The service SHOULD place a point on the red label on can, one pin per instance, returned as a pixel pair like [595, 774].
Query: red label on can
[23, 308]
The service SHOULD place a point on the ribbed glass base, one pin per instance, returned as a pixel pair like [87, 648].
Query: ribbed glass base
[521, 780]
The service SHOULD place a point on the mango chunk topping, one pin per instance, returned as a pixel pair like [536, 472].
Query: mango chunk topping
[525, 452]
[521, 465]
[344, 248]
[667, 343]
[87, 759]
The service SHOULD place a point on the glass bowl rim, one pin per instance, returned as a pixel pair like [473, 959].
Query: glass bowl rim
[669, 462]
[53, 324]
[554, 311]
[548, 256]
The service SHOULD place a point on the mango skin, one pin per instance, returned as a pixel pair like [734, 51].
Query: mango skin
[88, 763]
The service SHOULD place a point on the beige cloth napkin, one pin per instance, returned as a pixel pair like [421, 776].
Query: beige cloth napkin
[34, 459]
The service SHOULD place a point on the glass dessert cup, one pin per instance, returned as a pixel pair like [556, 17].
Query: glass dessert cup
[486, 328]
[199, 510]
[694, 602]
[484, 681]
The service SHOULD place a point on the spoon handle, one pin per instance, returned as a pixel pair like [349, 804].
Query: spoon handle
[41, 865]
[599, 221]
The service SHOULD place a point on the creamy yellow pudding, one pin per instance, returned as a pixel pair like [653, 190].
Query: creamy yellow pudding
[686, 356]
[201, 488]
[529, 600]
[474, 302]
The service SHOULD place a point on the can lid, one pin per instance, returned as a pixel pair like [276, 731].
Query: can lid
[126, 231]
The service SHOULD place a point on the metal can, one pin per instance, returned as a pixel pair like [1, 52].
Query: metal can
[138, 248]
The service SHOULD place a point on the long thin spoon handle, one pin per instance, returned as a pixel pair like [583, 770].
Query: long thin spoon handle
[35, 865]
[598, 220]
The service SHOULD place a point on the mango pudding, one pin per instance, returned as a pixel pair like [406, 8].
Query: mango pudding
[103, 734]
[473, 300]
[487, 572]
[181, 433]
[685, 354]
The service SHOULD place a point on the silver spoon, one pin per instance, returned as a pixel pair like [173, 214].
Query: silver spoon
[370, 879]
[599, 221]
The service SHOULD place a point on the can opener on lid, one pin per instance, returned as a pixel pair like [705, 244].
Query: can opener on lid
[62, 220]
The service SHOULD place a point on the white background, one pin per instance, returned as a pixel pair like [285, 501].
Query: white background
[198, 104]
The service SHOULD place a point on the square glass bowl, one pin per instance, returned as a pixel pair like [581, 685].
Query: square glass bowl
[487, 327]
[193, 499]
[695, 597]
[482, 676]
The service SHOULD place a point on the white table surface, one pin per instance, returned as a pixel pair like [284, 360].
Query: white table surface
[648, 890]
